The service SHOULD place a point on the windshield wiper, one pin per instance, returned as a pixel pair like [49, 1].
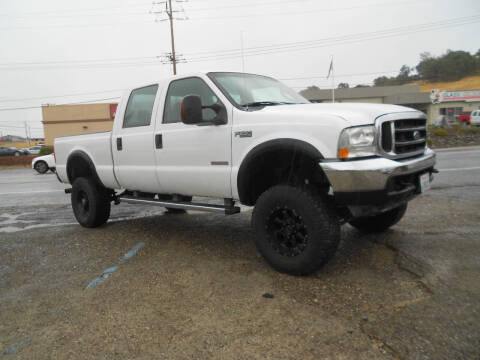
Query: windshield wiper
[265, 103]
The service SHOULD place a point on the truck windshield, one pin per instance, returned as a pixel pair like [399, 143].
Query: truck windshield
[255, 91]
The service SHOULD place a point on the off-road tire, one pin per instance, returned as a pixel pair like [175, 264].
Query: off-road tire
[41, 167]
[381, 222]
[90, 202]
[297, 228]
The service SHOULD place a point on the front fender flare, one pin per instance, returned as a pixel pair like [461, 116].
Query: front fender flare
[271, 145]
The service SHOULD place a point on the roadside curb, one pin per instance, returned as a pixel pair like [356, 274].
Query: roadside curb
[459, 148]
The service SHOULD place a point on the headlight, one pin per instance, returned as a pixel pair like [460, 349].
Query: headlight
[356, 142]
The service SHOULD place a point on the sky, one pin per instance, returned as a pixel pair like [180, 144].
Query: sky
[63, 51]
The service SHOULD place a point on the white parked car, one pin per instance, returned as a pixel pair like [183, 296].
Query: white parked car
[34, 150]
[475, 118]
[44, 163]
[307, 168]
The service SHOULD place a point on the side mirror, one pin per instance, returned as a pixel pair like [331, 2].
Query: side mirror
[191, 109]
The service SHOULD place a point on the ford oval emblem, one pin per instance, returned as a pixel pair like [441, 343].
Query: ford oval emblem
[416, 135]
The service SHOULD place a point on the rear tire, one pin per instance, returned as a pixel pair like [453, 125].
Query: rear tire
[90, 202]
[381, 222]
[297, 229]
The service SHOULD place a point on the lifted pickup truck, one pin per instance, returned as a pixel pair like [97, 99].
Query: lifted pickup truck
[306, 168]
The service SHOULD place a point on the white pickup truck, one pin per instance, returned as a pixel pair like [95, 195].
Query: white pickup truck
[306, 168]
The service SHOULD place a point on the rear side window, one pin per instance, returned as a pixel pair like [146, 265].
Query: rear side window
[178, 89]
[140, 107]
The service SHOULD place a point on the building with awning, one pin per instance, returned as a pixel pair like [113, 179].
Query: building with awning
[433, 103]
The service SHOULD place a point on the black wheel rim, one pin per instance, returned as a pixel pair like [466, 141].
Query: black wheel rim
[287, 232]
[83, 205]
[41, 167]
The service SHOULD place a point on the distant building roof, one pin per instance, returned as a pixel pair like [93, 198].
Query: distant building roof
[404, 94]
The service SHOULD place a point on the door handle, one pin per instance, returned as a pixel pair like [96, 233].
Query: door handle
[158, 141]
[119, 144]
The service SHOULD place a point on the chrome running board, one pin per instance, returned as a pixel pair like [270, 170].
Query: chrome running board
[227, 210]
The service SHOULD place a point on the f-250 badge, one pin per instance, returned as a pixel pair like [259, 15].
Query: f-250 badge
[243, 134]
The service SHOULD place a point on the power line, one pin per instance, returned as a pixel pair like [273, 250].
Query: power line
[108, 11]
[72, 103]
[79, 61]
[62, 12]
[64, 95]
[381, 4]
[286, 47]
[250, 15]
[47, 97]
[261, 50]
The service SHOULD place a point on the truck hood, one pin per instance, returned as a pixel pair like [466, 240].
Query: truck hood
[352, 113]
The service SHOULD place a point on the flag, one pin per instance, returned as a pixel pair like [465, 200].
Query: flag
[330, 70]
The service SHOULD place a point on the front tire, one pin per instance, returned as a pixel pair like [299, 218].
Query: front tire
[381, 222]
[297, 229]
[90, 202]
[41, 167]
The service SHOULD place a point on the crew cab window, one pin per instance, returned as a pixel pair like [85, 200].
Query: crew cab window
[178, 89]
[140, 107]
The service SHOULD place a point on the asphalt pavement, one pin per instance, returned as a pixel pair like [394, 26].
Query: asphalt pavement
[153, 285]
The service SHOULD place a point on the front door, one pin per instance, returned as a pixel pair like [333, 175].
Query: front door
[133, 142]
[193, 159]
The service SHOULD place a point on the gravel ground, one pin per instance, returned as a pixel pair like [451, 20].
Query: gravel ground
[194, 287]
[198, 289]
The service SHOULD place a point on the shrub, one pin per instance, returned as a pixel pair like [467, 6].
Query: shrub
[45, 150]
[440, 132]
[16, 160]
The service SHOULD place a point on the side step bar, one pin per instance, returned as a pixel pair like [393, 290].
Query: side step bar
[227, 210]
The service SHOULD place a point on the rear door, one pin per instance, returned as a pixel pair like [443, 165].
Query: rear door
[133, 141]
[193, 159]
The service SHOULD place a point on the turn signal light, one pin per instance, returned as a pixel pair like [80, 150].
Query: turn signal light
[343, 153]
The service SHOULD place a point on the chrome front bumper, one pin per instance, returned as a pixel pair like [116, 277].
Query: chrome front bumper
[373, 174]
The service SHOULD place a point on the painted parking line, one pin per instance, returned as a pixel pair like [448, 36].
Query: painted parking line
[107, 272]
[30, 192]
[461, 169]
[12, 350]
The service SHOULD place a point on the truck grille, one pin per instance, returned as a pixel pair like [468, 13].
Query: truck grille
[404, 137]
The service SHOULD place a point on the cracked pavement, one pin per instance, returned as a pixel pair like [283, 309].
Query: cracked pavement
[195, 288]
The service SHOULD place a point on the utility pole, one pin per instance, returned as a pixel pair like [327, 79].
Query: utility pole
[172, 57]
[26, 132]
[170, 15]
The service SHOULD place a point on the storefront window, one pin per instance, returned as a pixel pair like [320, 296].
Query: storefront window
[451, 113]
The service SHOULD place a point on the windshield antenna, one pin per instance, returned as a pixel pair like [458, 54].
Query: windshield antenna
[243, 64]
[243, 55]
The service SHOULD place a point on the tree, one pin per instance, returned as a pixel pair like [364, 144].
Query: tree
[381, 81]
[453, 65]
[343, 86]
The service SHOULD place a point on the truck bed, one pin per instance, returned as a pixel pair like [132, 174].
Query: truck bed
[96, 146]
